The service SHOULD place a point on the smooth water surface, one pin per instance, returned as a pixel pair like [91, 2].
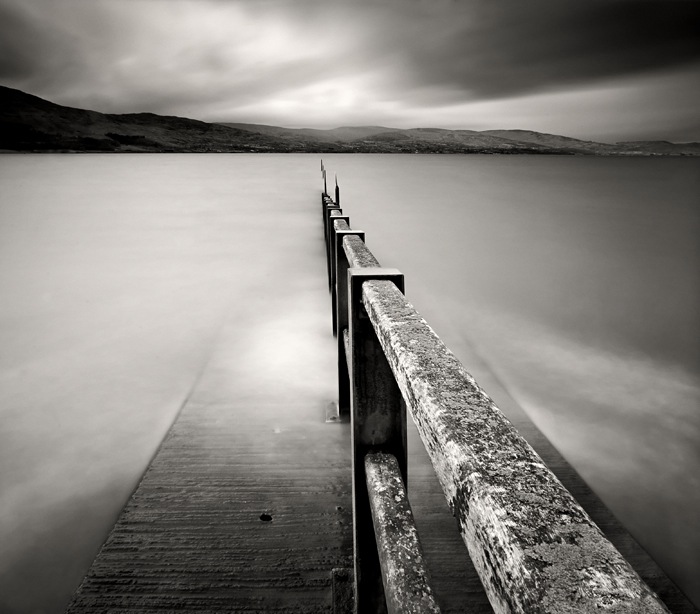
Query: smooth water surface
[574, 278]
[118, 272]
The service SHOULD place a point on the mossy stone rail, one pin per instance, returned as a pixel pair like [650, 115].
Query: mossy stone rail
[535, 549]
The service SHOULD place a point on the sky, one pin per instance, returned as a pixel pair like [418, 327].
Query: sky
[608, 70]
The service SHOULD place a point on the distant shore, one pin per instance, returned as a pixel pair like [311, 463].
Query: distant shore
[33, 125]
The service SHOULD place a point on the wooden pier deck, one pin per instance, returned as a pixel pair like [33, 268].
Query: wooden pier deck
[246, 507]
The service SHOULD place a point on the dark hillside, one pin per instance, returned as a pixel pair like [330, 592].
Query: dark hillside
[30, 123]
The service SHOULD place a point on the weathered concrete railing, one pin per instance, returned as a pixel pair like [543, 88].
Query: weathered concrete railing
[535, 549]
[404, 572]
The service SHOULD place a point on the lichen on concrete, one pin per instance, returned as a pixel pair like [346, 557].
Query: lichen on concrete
[404, 572]
[534, 547]
[357, 253]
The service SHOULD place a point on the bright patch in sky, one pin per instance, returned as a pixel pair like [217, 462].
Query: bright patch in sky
[604, 69]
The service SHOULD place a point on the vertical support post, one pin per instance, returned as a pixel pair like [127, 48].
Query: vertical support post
[324, 201]
[329, 206]
[327, 224]
[323, 174]
[330, 209]
[378, 416]
[332, 233]
[337, 192]
[340, 318]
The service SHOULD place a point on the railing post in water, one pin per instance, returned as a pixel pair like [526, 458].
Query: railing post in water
[329, 207]
[332, 250]
[326, 203]
[323, 174]
[404, 571]
[332, 211]
[337, 192]
[340, 317]
[378, 425]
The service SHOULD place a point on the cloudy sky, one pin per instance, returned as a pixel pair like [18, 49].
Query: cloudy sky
[598, 69]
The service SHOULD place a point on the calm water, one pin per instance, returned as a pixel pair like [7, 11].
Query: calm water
[574, 278]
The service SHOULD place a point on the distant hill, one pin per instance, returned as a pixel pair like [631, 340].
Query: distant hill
[578, 146]
[30, 123]
[345, 134]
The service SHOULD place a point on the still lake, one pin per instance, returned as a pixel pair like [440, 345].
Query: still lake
[575, 279]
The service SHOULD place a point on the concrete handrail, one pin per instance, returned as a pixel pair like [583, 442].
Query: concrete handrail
[404, 573]
[357, 254]
[535, 549]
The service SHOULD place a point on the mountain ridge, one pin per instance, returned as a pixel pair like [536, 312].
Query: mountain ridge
[32, 124]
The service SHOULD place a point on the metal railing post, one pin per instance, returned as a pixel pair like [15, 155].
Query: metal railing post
[329, 208]
[340, 319]
[333, 248]
[378, 416]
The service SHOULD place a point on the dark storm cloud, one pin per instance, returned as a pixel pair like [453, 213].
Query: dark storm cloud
[324, 62]
[22, 44]
[481, 48]
[492, 49]
[34, 49]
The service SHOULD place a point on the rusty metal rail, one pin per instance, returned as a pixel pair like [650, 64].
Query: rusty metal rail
[535, 549]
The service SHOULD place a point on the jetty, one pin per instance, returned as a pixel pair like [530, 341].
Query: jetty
[409, 491]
